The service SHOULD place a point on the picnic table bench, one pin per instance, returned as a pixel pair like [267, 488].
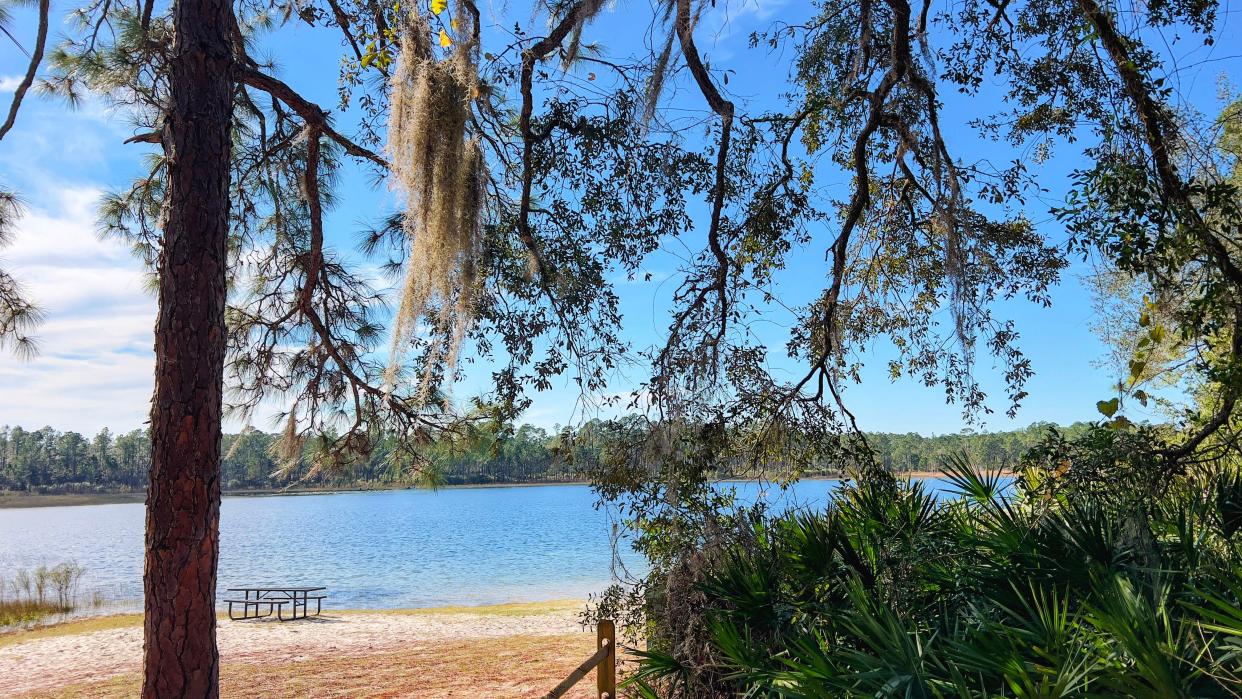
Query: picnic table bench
[274, 599]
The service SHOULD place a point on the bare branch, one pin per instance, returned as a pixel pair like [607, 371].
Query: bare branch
[310, 112]
[724, 108]
[28, 79]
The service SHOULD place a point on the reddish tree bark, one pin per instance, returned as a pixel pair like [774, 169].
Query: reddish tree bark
[183, 496]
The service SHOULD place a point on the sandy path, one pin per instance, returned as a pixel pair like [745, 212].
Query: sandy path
[45, 664]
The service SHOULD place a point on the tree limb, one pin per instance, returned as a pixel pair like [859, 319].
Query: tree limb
[724, 108]
[310, 112]
[27, 80]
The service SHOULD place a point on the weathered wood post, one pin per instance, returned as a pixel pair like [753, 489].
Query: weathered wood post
[606, 671]
[603, 661]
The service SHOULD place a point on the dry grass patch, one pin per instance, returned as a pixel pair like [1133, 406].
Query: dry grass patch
[9, 499]
[510, 666]
[116, 621]
[27, 611]
[70, 628]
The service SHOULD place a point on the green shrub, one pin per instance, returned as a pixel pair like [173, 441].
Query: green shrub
[1049, 585]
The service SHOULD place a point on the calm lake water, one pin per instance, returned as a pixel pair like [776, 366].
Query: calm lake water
[403, 548]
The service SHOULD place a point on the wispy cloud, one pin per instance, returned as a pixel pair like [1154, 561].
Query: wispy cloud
[54, 145]
[9, 83]
[95, 363]
[728, 20]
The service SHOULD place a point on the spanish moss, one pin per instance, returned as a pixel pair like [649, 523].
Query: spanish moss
[437, 166]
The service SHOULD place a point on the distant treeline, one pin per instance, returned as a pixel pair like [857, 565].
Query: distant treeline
[49, 461]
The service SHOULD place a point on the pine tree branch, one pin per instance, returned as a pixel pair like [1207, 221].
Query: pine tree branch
[310, 112]
[27, 80]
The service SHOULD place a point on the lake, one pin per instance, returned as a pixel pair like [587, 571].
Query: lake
[380, 549]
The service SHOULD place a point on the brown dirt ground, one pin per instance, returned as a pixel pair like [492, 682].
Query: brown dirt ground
[507, 651]
[511, 666]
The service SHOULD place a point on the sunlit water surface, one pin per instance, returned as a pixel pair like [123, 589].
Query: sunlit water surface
[387, 549]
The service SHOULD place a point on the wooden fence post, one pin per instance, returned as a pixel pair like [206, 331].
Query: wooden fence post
[603, 661]
[606, 672]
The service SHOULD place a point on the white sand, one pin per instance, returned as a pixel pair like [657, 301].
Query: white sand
[51, 662]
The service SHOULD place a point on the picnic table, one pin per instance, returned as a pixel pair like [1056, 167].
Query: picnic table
[275, 598]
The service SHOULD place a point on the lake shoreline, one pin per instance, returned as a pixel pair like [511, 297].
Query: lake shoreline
[17, 500]
[12, 499]
[400, 548]
[90, 623]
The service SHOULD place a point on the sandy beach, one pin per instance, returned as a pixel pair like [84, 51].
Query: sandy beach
[517, 650]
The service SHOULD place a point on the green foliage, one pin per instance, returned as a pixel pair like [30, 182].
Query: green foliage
[49, 461]
[1041, 585]
[46, 460]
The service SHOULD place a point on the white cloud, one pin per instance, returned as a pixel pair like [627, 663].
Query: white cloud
[95, 363]
[730, 19]
[9, 83]
[53, 144]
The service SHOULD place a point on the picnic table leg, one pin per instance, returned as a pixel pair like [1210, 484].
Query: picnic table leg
[258, 600]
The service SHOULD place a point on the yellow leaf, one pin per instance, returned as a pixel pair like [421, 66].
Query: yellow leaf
[445, 41]
[438, 6]
[453, 23]
[1108, 407]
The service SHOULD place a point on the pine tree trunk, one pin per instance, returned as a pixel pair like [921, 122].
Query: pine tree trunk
[183, 496]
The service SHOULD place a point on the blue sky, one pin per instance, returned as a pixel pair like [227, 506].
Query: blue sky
[96, 361]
